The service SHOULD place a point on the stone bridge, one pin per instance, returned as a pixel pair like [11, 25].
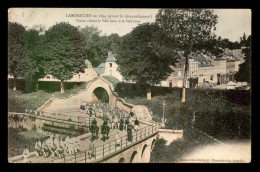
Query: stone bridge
[130, 151]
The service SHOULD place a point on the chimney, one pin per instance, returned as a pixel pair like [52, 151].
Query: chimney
[109, 53]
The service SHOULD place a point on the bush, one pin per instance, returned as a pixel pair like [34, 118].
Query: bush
[220, 113]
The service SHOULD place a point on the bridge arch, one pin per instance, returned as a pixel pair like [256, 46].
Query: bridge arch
[144, 148]
[102, 85]
[133, 157]
[101, 94]
[121, 160]
[152, 145]
[145, 156]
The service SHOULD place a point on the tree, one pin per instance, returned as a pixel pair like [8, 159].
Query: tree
[190, 30]
[34, 59]
[143, 58]
[225, 43]
[243, 40]
[16, 54]
[65, 52]
[244, 72]
[98, 46]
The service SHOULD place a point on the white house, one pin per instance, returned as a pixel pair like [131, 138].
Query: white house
[109, 68]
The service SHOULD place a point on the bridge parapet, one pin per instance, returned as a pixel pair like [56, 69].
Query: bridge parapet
[110, 149]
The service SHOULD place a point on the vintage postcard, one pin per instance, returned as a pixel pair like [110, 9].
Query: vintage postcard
[125, 85]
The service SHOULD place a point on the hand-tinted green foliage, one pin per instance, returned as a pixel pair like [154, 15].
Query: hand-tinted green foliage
[34, 59]
[220, 113]
[16, 52]
[17, 140]
[189, 30]
[65, 51]
[18, 101]
[142, 56]
[98, 46]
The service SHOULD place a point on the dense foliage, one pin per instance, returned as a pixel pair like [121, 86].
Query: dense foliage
[220, 113]
[98, 46]
[65, 52]
[244, 73]
[17, 140]
[16, 51]
[34, 59]
[188, 30]
[143, 58]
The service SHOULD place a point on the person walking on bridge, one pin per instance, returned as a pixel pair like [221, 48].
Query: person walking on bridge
[136, 125]
[129, 132]
[117, 138]
[126, 123]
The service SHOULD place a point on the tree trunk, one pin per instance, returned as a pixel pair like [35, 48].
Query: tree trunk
[15, 83]
[184, 81]
[62, 87]
[149, 93]
[37, 86]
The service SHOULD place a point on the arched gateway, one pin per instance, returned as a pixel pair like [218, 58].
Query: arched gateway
[99, 89]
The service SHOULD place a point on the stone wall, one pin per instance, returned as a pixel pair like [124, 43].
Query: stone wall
[170, 135]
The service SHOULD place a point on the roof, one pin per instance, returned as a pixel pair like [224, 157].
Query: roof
[199, 58]
[111, 58]
[100, 69]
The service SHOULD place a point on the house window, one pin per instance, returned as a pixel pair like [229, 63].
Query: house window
[110, 64]
[48, 77]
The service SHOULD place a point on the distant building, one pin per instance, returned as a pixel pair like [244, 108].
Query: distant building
[232, 68]
[176, 78]
[220, 68]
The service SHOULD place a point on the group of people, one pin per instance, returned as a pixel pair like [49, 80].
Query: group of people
[115, 117]
[57, 146]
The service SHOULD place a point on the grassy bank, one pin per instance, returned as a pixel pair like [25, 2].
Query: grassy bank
[18, 101]
[224, 114]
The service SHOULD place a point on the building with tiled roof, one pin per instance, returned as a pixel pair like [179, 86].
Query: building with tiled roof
[100, 69]
[109, 68]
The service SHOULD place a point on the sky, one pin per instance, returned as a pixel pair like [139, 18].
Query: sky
[232, 23]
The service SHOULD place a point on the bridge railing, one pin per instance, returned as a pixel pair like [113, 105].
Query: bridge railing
[100, 152]
[59, 118]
